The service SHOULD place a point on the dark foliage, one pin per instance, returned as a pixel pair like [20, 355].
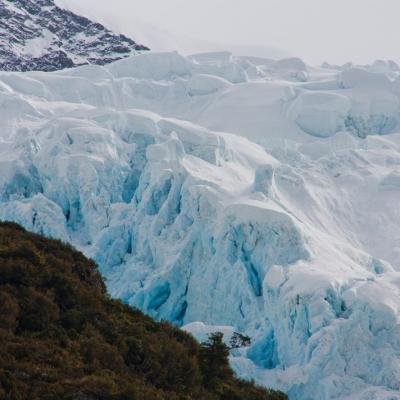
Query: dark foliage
[63, 338]
[238, 340]
[214, 361]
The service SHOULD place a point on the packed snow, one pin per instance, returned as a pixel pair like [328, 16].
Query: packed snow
[227, 193]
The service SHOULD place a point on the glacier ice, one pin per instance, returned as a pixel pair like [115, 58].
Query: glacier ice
[227, 193]
[321, 114]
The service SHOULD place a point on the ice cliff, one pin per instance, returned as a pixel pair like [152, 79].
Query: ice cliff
[256, 195]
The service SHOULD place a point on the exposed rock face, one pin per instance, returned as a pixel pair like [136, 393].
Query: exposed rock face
[37, 35]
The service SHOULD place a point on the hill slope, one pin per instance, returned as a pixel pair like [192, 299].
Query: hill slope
[64, 338]
[38, 35]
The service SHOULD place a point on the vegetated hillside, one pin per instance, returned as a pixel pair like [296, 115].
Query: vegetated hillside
[62, 337]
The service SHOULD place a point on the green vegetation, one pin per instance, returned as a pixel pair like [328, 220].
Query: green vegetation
[62, 337]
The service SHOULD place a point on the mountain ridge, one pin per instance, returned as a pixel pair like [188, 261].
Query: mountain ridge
[40, 36]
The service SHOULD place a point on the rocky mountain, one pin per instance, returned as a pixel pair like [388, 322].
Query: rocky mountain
[39, 35]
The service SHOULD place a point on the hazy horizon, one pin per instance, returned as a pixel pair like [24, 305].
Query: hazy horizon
[360, 31]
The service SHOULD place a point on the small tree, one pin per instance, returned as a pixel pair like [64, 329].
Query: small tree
[214, 360]
[238, 340]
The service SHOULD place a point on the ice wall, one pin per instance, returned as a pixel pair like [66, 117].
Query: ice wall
[286, 230]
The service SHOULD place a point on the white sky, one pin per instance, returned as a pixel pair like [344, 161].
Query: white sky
[336, 31]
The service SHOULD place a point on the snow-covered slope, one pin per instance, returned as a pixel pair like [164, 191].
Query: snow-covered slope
[38, 35]
[286, 228]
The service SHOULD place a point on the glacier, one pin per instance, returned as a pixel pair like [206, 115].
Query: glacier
[227, 193]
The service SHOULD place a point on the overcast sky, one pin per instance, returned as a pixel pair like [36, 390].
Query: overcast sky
[336, 31]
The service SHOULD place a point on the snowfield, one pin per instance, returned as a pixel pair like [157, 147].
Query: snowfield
[227, 193]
